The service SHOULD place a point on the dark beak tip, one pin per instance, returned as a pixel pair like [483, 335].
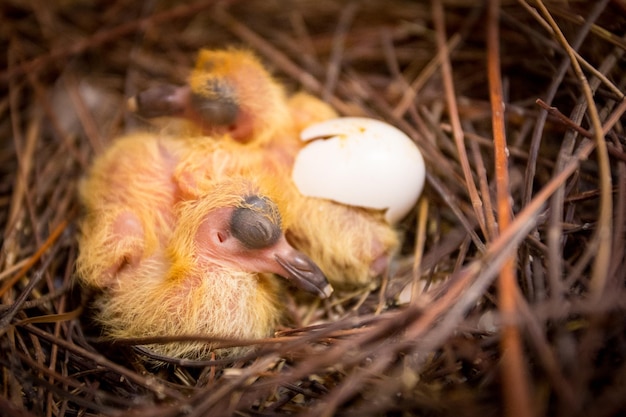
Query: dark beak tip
[306, 275]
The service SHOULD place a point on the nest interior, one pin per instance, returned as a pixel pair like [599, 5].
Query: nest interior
[507, 296]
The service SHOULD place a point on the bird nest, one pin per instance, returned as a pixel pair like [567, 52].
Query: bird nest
[507, 296]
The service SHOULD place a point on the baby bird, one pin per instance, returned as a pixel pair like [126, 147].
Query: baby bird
[170, 266]
[231, 96]
[184, 228]
[228, 92]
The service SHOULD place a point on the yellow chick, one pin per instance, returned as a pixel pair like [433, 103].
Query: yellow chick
[183, 229]
[228, 92]
[167, 265]
[230, 96]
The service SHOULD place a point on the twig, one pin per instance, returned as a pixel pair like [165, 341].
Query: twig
[597, 30]
[481, 173]
[35, 257]
[150, 383]
[613, 118]
[104, 37]
[515, 385]
[420, 241]
[457, 131]
[25, 149]
[601, 263]
[550, 94]
[553, 111]
[448, 197]
[587, 25]
[334, 65]
[425, 74]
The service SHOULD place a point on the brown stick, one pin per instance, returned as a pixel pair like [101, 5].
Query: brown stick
[515, 387]
[457, 131]
[605, 219]
[104, 37]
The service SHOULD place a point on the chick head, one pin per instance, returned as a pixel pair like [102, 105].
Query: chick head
[236, 227]
[229, 92]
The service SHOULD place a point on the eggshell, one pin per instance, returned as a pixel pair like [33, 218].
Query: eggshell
[360, 162]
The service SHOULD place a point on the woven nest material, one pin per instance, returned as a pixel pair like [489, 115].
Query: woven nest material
[507, 297]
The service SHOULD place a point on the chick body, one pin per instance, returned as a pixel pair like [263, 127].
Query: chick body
[160, 257]
[129, 207]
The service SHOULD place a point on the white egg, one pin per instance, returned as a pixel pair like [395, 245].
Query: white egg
[360, 162]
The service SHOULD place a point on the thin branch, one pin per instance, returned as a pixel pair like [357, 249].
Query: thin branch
[457, 131]
[334, 66]
[601, 263]
[516, 388]
[103, 37]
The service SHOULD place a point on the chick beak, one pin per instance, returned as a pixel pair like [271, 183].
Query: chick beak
[214, 115]
[162, 100]
[300, 270]
[256, 226]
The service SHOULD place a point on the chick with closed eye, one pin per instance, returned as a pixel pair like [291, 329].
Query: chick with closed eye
[166, 265]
